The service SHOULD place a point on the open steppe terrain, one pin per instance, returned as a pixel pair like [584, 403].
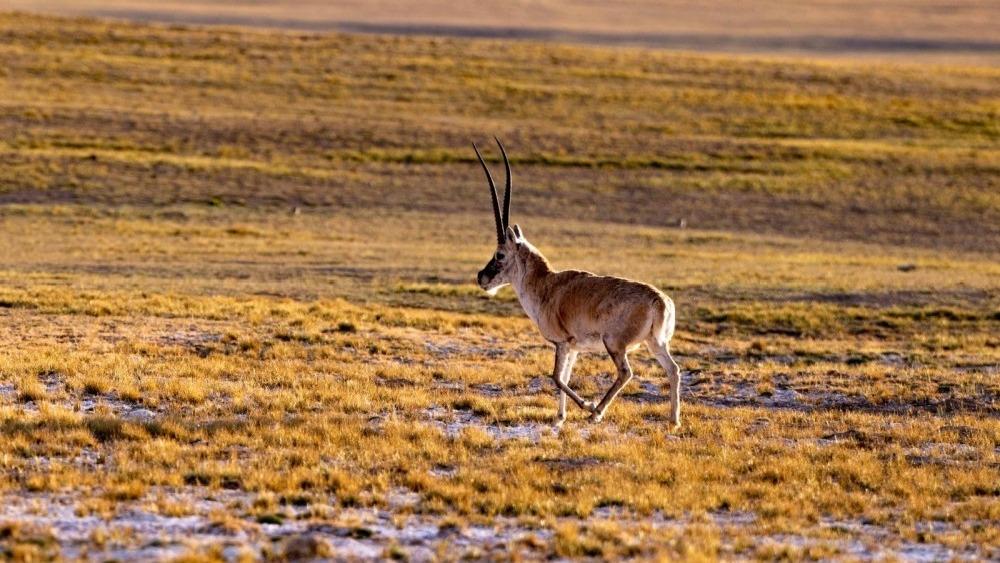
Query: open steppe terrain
[238, 317]
[942, 31]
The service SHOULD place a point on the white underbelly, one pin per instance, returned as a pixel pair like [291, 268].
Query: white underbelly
[587, 344]
[596, 344]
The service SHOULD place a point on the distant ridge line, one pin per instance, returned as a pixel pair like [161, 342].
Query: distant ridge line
[827, 44]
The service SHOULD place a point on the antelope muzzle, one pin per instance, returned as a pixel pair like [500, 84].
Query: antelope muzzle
[488, 274]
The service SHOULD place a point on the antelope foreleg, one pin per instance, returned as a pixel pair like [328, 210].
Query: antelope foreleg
[560, 375]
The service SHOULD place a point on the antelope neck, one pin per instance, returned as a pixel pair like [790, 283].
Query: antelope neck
[530, 280]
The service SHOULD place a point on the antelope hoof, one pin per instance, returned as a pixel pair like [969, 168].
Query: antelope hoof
[676, 421]
[558, 425]
[597, 417]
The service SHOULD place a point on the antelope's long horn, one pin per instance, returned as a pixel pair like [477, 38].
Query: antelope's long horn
[506, 195]
[501, 235]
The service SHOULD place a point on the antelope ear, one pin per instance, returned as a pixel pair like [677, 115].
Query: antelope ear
[512, 235]
[517, 231]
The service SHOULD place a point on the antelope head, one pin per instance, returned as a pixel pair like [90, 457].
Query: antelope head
[504, 265]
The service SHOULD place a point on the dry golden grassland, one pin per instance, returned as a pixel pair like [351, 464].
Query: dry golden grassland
[188, 368]
[951, 31]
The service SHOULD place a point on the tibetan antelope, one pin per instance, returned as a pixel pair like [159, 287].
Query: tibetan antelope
[579, 311]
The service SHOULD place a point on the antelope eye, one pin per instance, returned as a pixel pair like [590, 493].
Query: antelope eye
[500, 255]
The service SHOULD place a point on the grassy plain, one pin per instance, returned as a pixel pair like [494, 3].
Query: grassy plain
[190, 367]
[956, 31]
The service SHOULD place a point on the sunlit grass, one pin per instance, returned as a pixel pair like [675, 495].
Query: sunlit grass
[324, 387]
[881, 153]
[276, 310]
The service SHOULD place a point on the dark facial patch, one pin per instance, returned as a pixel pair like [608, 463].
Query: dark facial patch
[487, 274]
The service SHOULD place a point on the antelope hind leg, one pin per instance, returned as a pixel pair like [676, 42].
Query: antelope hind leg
[662, 354]
[624, 376]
